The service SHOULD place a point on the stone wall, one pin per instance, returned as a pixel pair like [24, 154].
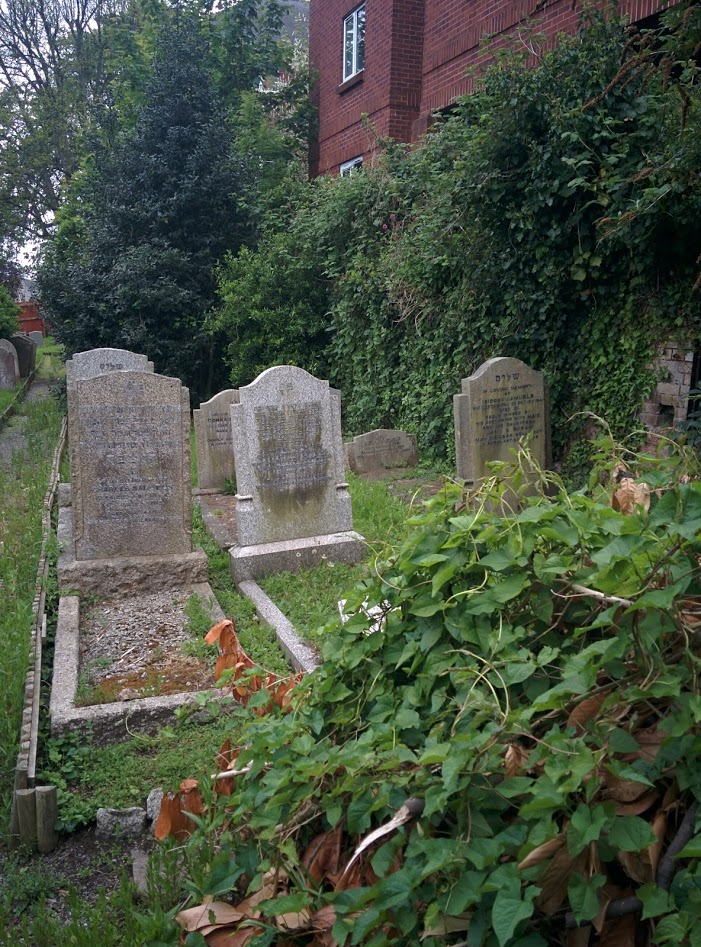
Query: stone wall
[668, 404]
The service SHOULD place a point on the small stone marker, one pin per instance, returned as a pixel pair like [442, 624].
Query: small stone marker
[131, 466]
[26, 353]
[292, 507]
[36, 336]
[380, 450]
[9, 366]
[213, 440]
[502, 403]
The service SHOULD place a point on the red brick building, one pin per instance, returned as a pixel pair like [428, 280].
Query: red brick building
[399, 61]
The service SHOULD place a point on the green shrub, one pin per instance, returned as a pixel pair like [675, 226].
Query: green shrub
[9, 313]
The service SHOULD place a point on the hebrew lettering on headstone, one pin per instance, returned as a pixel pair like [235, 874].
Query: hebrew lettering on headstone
[503, 404]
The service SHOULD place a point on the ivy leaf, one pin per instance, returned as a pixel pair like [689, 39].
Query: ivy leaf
[655, 900]
[509, 910]
[630, 833]
[582, 896]
[586, 826]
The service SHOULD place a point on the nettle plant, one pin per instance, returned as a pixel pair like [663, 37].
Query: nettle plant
[511, 761]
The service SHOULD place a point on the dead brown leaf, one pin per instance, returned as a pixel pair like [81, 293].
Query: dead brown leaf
[225, 628]
[625, 790]
[322, 856]
[640, 805]
[555, 879]
[226, 937]
[542, 852]
[585, 711]
[210, 915]
[579, 936]
[619, 932]
[171, 819]
[515, 760]
[637, 866]
[630, 495]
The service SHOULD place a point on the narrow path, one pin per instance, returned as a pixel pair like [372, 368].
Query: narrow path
[13, 439]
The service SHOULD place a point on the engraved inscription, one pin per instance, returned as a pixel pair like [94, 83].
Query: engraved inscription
[292, 457]
[507, 412]
[218, 430]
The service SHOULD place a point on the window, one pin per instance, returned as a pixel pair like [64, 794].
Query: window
[354, 43]
[349, 167]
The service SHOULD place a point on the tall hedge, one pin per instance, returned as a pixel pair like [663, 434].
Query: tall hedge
[554, 216]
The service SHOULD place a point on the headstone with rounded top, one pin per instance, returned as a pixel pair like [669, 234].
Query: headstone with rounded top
[26, 353]
[9, 366]
[502, 405]
[382, 449]
[36, 336]
[213, 440]
[293, 508]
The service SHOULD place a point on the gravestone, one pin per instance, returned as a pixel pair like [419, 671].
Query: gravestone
[131, 492]
[9, 366]
[292, 506]
[380, 450]
[213, 441]
[504, 402]
[26, 353]
[36, 336]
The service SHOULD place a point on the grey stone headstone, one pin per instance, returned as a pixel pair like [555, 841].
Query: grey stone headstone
[36, 336]
[131, 466]
[213, 441]
[504, 402]
[26, 353]
[9, 365]
[289, 458]
[381, 449]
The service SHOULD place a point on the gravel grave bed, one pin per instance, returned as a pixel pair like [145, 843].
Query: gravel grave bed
[135, 647]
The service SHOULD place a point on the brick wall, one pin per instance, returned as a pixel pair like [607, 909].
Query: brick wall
[416, 56]
[668, 404]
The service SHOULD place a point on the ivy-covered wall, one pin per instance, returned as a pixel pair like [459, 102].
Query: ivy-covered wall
[554, 216]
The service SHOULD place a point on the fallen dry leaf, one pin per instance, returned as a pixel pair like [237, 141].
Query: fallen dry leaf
[230, 938]
[322, 856]
[515, 760]
[542, 852]
[630, 495]
[585, 711]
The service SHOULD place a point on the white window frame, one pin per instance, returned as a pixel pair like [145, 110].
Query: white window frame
[350, 167]
[350, 32]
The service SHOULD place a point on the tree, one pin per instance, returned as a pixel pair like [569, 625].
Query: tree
[132, 264]
[9, 310]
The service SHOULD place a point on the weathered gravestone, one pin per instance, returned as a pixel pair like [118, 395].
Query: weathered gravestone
[36, 336]
[26, 353]
[504, 402]
[131, 494]
[9, 365]
[292, 506]
[380, 450]
[213, 441]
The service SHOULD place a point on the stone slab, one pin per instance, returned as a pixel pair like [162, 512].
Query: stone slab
[302, 657]
[258, 561]
[503, 402]
[9, 366]
[130, 437]
[380, 450]
[116, 721]
[213, 440]
[289, 459]
[26, 350]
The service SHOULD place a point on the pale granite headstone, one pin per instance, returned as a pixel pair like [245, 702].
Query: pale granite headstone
[9, 365]
[36, 336]
[380, 450]
[26, 353]
[213, 441]
[131, 466]
[292, 494]
[502, 404]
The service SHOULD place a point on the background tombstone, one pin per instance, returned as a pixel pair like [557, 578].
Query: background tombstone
[380, 450]
[26, 353]
[36, 336]
[213, 440]
[503, 402]
[9, 366]
[292, 504]
[131, 485]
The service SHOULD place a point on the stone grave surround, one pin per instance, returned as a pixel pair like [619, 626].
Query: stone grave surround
[26, 353]
[380, 450]
[213, 440]
[292, 506]
[9, 366]
[501, 403]
[131, 494]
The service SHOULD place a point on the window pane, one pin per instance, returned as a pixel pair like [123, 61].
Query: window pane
[360, 40]
[348, 47]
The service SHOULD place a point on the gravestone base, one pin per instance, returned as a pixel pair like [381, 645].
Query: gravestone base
[126, 573]
[291, 555]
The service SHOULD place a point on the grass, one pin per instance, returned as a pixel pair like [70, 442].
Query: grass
[310, 598]
[23, 485]
[7, 397]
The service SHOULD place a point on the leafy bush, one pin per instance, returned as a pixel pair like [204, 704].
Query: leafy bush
[516, 749]
[9, 312]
